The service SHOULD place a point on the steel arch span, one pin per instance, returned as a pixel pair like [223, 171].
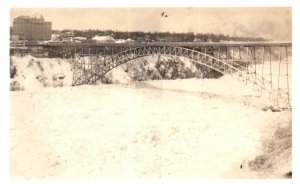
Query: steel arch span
[87, 68]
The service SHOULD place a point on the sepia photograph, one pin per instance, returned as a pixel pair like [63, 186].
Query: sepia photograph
[178, 93]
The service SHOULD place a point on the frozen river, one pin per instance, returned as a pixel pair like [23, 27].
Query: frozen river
[195, 128]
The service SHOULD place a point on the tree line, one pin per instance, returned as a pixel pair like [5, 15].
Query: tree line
[141, 36]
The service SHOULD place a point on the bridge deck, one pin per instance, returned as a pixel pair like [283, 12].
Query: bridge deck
[181, 44]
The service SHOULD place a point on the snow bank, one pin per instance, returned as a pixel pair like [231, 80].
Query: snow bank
[276, 157]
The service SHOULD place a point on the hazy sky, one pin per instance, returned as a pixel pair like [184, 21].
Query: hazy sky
[270, 23]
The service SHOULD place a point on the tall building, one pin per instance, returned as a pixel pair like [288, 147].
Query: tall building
[33, 29]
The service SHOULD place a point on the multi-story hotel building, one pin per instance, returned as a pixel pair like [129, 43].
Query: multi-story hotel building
[32, 29]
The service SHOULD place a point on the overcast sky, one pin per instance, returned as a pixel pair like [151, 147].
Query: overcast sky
[270, 23]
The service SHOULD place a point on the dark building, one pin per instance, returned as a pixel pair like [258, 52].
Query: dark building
[28, 28]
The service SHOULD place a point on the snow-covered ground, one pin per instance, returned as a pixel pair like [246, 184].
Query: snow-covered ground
[193, 128]
[184, 128]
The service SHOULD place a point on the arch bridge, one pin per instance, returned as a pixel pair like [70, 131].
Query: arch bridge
[265, 66]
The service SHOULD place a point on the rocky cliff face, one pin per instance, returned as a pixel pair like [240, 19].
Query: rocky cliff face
[159, 68]
[28, 72]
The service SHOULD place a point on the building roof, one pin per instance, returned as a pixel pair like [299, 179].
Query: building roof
[30, 19]
[103, 38]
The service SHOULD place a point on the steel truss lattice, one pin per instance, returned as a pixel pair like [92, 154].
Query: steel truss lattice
[88, 68]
